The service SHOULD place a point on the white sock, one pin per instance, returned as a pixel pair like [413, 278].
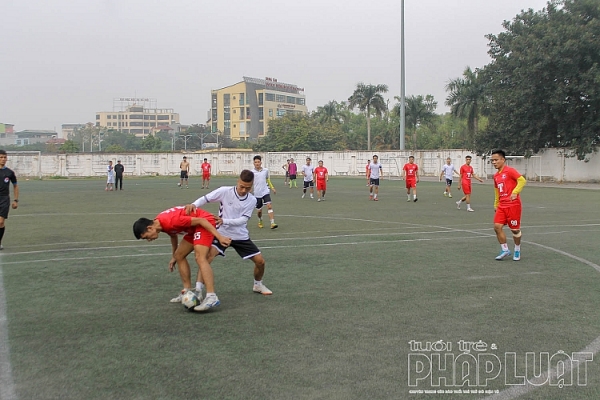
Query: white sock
[517, 247]
[211, 294]
[375, 196]
[199, 286]
[257, 282]
[504, 247]
[272, 221]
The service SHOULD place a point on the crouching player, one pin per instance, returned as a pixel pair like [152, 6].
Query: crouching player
[508, 183]
[200, 229]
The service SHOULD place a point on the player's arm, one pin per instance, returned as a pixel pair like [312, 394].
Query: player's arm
[521, 181]
[174, 244]
[15, 202]
[368, 172]
[496, 198]
[236, 221]
[203, 222]
[270, 184]
[326, 175]
[476, 177]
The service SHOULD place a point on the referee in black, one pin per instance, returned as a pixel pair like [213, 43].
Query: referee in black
[7, 175]
[119, 169]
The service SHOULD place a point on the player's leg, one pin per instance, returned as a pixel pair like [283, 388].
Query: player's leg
[499, 222]
[183, 249]
[259, 205]
[305, 184]
[408, 185]
[514, 223]
[414, 188]
[211, 300]
[2, 227]
[271, 215]
[312, 189]
[376, 190]
[259, 273]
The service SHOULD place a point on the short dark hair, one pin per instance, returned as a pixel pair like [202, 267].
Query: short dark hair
[206, 159]
[501, 153]
[411, 156]
[375, 155]
[2, 151]
[257, 158]
[184, 157]
[468, 157]
[247, 176]
[308, 158]
[140, 226]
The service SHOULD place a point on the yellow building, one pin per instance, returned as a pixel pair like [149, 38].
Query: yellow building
[137, 119]
[242, 111]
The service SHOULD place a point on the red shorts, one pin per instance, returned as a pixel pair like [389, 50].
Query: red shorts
[321, 184]
[509, 215]
[201, 237]
[411, 183]
[206, 177]
[466, 187]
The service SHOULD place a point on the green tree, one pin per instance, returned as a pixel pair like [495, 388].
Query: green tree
[369, 100]
[329, 113]
[69, 146]
[467, 98]
[544, 81]
[418, 110]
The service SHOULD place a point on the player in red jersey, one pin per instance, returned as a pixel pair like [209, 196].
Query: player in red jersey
[466, 173]
[205, 173]
[321, 175]
[410, 172]
[199, 229]
[367, 171]
[508, 183]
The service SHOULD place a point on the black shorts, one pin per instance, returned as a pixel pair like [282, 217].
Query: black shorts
[448, 182]
[308, 184]
[374, 182]
[245, 248]
[4, 206]
[293, 176]
[266, 199]
[287, 174]
[184, 175]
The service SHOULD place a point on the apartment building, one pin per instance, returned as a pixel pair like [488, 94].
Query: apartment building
[243, 110]
[137, 119]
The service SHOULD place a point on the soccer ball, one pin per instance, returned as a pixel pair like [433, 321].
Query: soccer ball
[190, 300]
[178, 183]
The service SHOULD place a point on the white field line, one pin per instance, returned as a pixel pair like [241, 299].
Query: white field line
[7, 387]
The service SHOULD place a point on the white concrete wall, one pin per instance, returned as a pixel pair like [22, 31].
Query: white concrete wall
[550, 165]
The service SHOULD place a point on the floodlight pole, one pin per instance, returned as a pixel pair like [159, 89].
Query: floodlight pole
[402, 78]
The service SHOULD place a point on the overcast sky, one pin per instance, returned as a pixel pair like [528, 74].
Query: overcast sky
[63, 60]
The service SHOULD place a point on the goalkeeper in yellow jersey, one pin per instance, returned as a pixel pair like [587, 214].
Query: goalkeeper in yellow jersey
[262, 191]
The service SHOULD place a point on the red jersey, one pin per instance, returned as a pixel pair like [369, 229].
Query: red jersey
[466, 173]
[506, 181]
[174, 220]
[320, 172]
[205, 168]
[411, 171]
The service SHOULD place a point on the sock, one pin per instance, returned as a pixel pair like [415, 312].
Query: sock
[257, 282]
[272, 220]
[468, 206]
[517, 247]
[504, 247]
[375, 196]
[408, 196]
[2, 233]
[199, 286]
[211, 294]
[260, 219]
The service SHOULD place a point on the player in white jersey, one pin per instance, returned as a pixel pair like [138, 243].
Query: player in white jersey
[374, 171]
[308, 172]
[448, 171]
[236, 207]
[262, 183]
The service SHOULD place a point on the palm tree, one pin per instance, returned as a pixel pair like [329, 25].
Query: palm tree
[467, 98]
[368, 99]
[328, 113]
[419, 110]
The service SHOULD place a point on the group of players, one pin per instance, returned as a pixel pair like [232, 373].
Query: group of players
[208, 236]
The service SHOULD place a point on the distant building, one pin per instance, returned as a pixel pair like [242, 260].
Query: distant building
[68, 130]
[7, 134]
[243, 110]
[136, 118]
[34, 136]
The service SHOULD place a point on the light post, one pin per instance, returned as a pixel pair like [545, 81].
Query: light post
[185, 139]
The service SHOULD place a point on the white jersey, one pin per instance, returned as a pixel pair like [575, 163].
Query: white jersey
[448, 171]
[308, 171]
[261, 188]
[235, 210]
[374, 169]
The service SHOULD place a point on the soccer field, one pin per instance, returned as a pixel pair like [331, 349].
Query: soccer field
[372, 300]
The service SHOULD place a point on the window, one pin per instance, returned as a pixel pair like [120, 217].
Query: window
[270, 112]
[136, 116]
[97, 116]
[114, 117]
[280, 112]
[108, 117]
[300, 101]
[137, 124]
[226, 100]
[260, 99]
[214, 115]
[161, 117]
[247, 112]
[261, 114]
[242, 128]
[280, 98]
[270, 97]
[290, 99]
[214, 100]
[242, 98]
[226, 115]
